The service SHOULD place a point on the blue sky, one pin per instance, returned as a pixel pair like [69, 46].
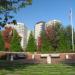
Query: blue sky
[46, 10]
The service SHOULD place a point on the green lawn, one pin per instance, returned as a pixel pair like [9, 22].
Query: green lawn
[36, 69]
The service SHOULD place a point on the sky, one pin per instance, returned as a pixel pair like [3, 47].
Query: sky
[46, 10]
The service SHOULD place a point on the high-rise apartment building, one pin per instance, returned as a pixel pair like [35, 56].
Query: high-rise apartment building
[22, 31]
[38, 28]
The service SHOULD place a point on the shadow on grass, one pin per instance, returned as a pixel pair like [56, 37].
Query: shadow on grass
[70, 63]
[12, 66]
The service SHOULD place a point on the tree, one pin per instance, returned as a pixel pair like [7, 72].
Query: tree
[45, 47]
[62, 40]
[69, 37]
[12, 5]
[31, 46]
[53, 35]
[2, 46]
[6, 6]
[74, 41]
[15, 42]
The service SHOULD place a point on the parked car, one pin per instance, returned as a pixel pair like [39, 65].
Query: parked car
[19, 56]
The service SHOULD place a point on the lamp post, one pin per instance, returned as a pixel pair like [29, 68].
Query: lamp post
[71, 23]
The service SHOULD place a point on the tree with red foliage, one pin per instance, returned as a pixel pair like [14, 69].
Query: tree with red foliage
[39, 43]
[53, 35]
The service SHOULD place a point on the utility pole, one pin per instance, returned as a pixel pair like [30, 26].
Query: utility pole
[71, 23]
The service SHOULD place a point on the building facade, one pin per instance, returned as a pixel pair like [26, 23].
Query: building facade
[38, 28]
[28, 34]
[22, 31]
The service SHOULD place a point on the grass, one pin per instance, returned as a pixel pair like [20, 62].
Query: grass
[36, 69]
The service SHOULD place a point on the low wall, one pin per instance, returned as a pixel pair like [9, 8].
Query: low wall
[51, 58]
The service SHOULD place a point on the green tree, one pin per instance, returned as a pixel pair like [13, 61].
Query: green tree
[53, 35]
[45, 47]
[15, 42]
[74, 41]
[62, 40]
[69, 37]
[2, 46]
[31, 46]
[6, 6]
[12, 5]
[65, 43]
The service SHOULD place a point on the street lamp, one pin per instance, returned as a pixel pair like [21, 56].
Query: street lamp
[71, 23]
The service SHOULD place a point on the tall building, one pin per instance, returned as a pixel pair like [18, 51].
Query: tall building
[28, 34]
[38, 28]
[22, 31]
